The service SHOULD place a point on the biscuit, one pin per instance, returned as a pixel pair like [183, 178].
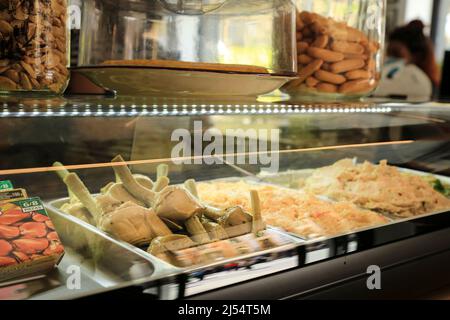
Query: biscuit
[302, 46]
[347, 65]
[327, 87]
[356, 86]
[304, 59]
[322, 42]
[329, 77]
[325, 55]
[358, 74]
[311, 82]
[347, 47]
[307, 71]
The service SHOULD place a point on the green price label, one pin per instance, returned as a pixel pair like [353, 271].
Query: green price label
[32, 205]
[6, 185]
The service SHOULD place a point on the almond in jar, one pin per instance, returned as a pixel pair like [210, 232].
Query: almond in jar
[33, 46]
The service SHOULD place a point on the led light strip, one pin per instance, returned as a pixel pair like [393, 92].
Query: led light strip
[183, 110]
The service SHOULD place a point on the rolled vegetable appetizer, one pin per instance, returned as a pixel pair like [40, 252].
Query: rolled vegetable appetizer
[130, 183]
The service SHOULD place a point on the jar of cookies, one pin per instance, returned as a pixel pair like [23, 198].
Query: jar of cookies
[34, 39]
[339, 48]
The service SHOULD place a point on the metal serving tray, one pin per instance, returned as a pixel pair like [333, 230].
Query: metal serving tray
[99, 247]
[79, 274]
[304, 173]
[288, 180]
[94, 244]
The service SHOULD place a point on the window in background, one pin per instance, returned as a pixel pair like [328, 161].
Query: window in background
[442, 26]
[447, 29]
[422, 10]
[400, 12]
[394, 14]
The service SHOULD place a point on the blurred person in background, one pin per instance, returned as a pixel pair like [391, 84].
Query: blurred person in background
[410, 68]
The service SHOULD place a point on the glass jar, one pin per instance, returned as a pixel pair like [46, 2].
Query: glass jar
[339, 48]
[252, 32]
[33, 46]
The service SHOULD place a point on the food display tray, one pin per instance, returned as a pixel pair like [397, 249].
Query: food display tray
[92, 243]
[79, 275]
[103, 241]
[277, 183]
[289, 179]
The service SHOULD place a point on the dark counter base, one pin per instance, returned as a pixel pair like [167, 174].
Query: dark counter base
[410, 269]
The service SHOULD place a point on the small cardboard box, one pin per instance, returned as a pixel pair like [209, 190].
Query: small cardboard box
[29, 243]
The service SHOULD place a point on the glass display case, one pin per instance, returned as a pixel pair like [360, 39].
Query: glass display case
[188, 48]
[325, 191]
[115, 33]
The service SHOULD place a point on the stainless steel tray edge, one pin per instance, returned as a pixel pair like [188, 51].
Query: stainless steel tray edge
[162, 269]
[166, 269]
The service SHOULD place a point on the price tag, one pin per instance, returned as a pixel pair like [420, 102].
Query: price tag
[6, 185]
[31, 205]
[13, 195]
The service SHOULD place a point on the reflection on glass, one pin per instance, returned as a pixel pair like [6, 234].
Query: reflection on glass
[258, 33]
